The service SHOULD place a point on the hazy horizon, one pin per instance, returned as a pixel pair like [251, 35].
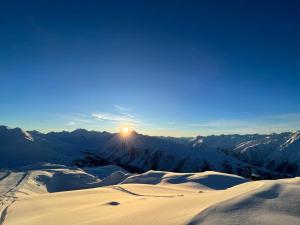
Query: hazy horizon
[132, 130]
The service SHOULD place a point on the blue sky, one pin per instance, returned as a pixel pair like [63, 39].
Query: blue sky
[179, 68]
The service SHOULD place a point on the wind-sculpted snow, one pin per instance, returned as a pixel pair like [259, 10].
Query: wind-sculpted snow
[154, 197]
[275, 203]
[205, 180]
[104, 171]
[49, 178]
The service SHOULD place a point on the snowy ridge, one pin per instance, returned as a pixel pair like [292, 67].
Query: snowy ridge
[206, 180]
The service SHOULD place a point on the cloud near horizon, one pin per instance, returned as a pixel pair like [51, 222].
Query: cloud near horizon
[110, 121]
[115, 117]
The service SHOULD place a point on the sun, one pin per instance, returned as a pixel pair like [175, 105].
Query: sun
[125, 131]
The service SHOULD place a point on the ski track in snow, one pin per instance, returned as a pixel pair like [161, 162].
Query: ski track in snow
[9, 186]
[6, 174]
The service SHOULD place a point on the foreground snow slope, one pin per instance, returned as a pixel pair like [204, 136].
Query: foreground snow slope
[276, 202]
[125, 203]
[154, 198]
[129, 204]
[44, 178]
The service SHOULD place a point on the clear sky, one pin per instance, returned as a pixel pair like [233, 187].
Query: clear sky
[179, 68]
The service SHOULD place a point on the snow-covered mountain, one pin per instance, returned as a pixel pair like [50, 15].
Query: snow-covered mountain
[19, 148]
[269, 156]
[276, 152]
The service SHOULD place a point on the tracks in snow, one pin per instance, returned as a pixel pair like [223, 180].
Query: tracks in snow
[9, 184]
[6, 174]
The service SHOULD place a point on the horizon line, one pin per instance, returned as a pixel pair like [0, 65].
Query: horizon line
[141, 133]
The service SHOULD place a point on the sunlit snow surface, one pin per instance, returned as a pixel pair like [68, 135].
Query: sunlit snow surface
[56, 194]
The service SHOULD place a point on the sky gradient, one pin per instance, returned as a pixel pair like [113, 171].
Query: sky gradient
[180, 68]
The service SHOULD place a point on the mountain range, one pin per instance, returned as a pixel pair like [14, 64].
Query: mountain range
[257, 156]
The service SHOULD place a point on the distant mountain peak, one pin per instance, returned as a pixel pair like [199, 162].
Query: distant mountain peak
[28, 136]
[80, 130]
[294, 137]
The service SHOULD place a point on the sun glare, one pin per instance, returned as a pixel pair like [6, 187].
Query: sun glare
[125, 131]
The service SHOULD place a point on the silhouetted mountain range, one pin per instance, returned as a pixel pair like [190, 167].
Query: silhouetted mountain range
[263, 156]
